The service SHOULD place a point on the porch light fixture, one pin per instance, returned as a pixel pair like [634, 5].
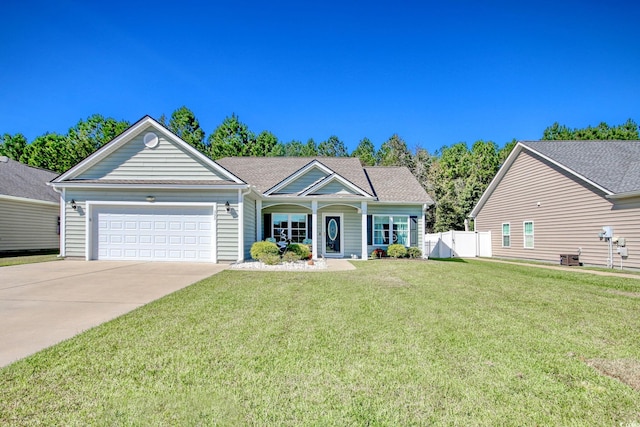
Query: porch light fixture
[74, 206]
[151, 199]
[227, 206]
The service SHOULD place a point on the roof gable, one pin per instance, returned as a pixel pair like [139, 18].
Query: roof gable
[147, 151]
[300, 180]
[611, 166]
[334, 185]
[27, 182]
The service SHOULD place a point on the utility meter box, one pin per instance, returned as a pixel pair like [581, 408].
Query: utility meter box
[622, 251]
[622, 241]
[607, 232]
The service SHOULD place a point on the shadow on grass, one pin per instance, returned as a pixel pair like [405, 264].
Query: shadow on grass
[448, 260]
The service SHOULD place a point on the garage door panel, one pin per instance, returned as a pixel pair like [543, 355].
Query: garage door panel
[153, 233]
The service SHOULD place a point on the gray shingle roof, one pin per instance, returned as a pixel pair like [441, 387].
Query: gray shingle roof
[613, 165]
[20, 180]
[389, 184]
[266, 172]
[396, 184]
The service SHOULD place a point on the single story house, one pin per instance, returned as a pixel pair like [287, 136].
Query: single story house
[554, 197]
[29, 209]
[148, 195]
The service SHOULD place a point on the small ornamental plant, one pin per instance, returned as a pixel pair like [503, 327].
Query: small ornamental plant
[378, 253]
[414, 252]
[290, 256]
[397, 251]
[302, 251]
[261, 249]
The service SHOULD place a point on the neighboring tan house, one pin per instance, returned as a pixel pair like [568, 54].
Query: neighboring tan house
[148, 195]
[29, 209]
[554, 197]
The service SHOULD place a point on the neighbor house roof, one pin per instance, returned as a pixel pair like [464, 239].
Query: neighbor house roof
[20, 180]
[611, 166]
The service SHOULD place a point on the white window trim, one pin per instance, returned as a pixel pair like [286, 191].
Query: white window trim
[524, 235]
[502, 234]
[289, 214]
[373, 230]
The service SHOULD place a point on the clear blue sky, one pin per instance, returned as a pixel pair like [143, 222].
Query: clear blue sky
[436, 73]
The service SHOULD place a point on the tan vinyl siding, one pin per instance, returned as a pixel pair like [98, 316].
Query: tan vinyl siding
[28, 226]
[303, 181]
[227, 224]
[570, 215]
[136, 161]
[249, 207]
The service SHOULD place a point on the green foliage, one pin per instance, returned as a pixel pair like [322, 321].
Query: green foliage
[270, 259]
[261, 249]
[366, 152]
[12, 146]
[264, 144]
[397, 250]
[413, 252]
[332, 147]
[50, 151]
[231, 138]
[302, 251]
[183, 123]
[290, 256]
[394, 152]
[627, 131]
[89, 135]
[378, 253]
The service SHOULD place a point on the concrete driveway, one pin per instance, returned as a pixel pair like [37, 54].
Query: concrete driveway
[43, 304]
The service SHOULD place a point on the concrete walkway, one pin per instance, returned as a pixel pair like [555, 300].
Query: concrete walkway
[43, 304]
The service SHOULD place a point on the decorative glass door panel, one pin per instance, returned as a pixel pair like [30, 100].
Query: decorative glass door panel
[333, 235]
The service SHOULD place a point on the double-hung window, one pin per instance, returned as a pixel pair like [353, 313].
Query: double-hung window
[289, 227]
[506, 235]
[390, 229]
[528, 234]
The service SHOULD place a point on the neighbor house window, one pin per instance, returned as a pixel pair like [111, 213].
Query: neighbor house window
[528, 234]
[506, 235]
[289, 227]
[390, 229]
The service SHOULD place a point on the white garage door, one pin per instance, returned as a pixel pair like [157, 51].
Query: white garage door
[153, 233]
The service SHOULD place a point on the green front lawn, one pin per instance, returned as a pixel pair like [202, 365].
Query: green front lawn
[28, 259]
[391, 343]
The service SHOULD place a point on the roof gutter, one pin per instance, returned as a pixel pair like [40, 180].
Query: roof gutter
[626, 195]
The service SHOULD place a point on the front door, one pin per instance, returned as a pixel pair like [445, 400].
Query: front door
[333, 236]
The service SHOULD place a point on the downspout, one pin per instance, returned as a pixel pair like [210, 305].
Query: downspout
[63, 221]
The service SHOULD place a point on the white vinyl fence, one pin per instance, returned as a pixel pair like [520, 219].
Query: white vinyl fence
[458, 244]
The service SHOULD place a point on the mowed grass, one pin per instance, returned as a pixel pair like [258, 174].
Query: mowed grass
[27, 259]
[391, 343]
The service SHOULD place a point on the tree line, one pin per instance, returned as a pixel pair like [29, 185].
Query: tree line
[454, 176]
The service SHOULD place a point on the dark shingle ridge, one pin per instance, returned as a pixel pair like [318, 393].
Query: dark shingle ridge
[613, 165]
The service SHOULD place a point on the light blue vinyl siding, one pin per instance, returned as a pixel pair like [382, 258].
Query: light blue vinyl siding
[166, 161]
[227, 223]
[334, 187]
[390, 210]
[249, 207]
[302, 182]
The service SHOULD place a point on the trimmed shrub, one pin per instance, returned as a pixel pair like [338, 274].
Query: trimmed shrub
[261, 249]
[414, 252]
[290, 256]
[302, 251]
[270, 259]
[397, 250]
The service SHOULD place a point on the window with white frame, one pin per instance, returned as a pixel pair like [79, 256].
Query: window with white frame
[506, 235]
[390, 229]
[528, 234]
[291, 227]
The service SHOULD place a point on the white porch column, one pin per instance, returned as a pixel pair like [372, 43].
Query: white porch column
[314, 228]
[240, 226]
[424, 231]
[363, 209]
[258, 220]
